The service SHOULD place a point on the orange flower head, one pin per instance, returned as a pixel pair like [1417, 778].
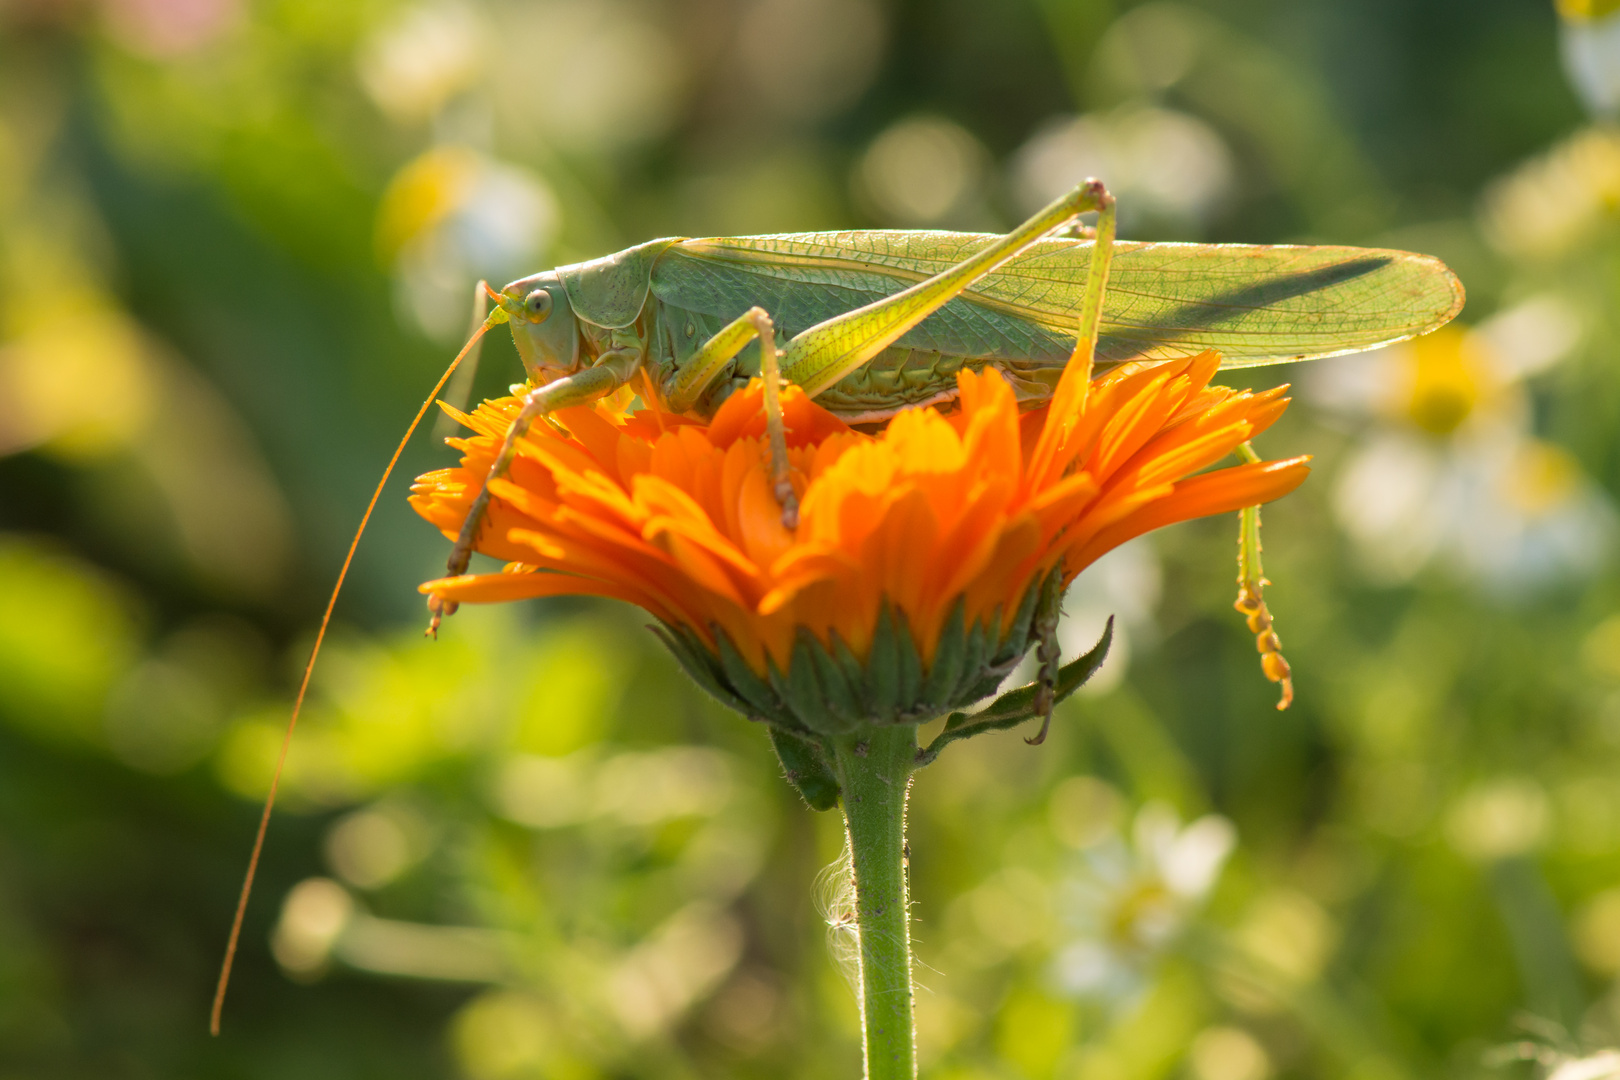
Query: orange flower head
[926, 557]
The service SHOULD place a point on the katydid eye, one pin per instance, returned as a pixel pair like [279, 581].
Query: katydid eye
[537, 304]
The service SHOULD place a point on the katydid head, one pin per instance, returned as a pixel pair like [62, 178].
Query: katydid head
[543, 325]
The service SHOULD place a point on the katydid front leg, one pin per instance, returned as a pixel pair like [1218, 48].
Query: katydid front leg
[611, 371]
[699, 372]
[775, 426]
[706, 365]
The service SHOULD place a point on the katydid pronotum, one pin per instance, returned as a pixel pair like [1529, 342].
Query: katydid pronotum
[873, 322]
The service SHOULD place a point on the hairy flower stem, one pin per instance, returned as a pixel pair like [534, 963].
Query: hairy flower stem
[874, 774]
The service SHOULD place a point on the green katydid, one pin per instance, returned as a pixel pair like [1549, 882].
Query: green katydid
[885, 319]
[878, 321]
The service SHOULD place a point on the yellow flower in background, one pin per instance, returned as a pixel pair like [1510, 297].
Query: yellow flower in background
[1443, 381]
[422, 195]
[451, 216]
[84, 383]
[1449, 472]
[1587, 9]
[51, 357]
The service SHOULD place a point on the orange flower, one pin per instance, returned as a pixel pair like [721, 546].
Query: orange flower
[968, 510]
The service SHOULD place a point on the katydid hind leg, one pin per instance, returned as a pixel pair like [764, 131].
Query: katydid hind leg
[821, 355]
[1091, 303]
[1251, 601]
[612, 371]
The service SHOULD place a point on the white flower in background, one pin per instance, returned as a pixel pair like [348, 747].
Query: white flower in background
[1589, 40]
[534, 80]
[1449, 470]
[1125, 583]
[585, 76]
[1603, 1065]
[454, 215]
[924, 170]
[420, 59]
[1499, 819]
[1557, 1054]
[806, 60]
[1132, 899]
[1557, 202]
[1164, 166]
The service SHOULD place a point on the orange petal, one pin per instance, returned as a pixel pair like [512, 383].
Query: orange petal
[1199, 496]
[759, 517]
[495, 588]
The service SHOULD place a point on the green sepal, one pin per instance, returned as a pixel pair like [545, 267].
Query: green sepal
[839, 697]
[806, 768]
[987, 685]
[696, 661]
[854, 677]
[762, 700]
[825, 689]
[992, 670]
[973, 658]
[946, 670]
[1017, 706]
[801, 699]
[908, 666]
[1016, 643]
[883, 667]
[800, 689]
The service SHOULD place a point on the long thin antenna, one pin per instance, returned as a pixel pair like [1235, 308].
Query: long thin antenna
[495, 317]
[460, 389]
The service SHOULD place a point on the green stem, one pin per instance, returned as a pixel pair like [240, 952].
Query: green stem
[874, 774]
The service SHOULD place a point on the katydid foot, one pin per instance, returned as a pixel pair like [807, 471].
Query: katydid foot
[611, 371]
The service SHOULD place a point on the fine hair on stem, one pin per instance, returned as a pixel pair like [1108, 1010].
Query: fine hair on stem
[834, 893]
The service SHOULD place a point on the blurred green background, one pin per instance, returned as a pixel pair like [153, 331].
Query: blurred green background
[237, 241]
